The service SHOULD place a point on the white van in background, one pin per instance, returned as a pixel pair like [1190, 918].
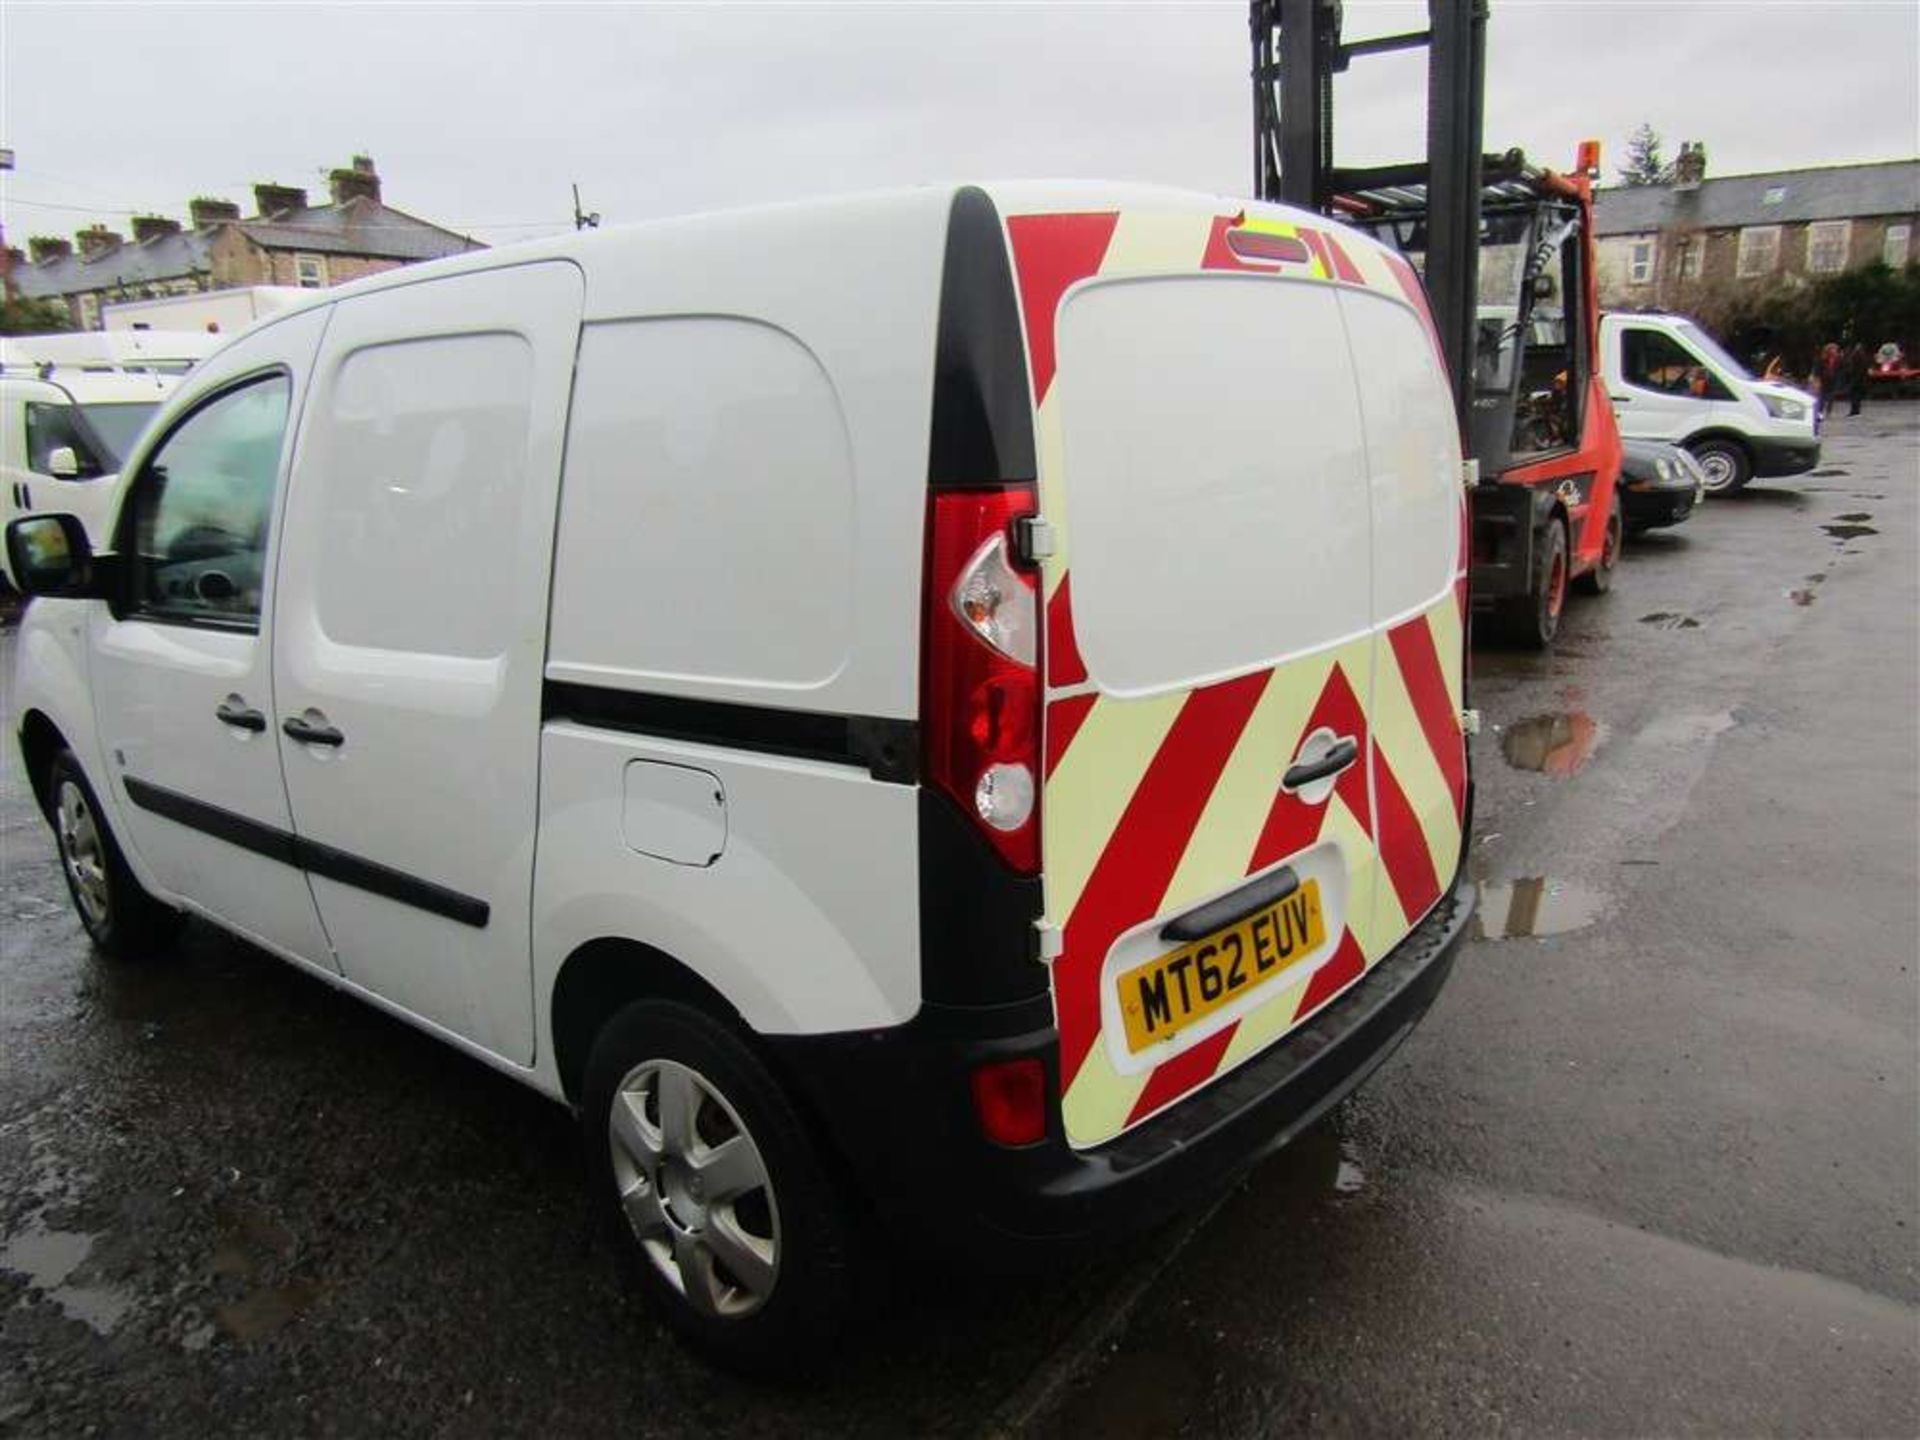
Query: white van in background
[942, 707]
[62, 441]
[1672, 381]
[106, 352]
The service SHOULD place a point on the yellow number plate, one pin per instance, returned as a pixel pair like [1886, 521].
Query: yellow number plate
[1167, 994]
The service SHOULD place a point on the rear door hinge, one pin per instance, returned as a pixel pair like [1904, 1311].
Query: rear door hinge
[1033, 539]
[1469, 473]
[1469, 722]
[1049, 943]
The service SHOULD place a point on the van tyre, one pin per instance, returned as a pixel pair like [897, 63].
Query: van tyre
[120, 917]
[1726, 464]
[711, 1186]
[1599, 580]
[1532, 620]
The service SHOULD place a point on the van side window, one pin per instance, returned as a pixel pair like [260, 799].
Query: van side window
[48, 428]
[201, 507]
[1654, 360]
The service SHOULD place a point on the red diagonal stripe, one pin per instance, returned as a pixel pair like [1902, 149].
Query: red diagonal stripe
[1131, 877]
[1064, 718]
[1050, 252]
[1182, 1073]
[1064, 665]
[1346, 966]
[1343, 265]
[1427, 687]
[1403, 845]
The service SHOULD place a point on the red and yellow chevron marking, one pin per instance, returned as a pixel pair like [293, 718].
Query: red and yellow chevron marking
[1152, 804]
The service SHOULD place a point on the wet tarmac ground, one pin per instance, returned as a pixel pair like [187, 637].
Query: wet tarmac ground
[1652, 1165]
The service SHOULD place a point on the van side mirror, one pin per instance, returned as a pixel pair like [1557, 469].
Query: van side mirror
[49, 555]
[62, 463]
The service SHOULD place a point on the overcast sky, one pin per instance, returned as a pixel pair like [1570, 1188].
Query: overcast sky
[479, 116]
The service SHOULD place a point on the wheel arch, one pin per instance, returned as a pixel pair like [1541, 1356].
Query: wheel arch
[40, 741]
[1719, 432]
[601, 977]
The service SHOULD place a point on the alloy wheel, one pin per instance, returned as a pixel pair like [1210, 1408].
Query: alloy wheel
[82, 854]
[694, 1188]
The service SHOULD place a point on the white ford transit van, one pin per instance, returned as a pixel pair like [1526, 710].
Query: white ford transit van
[940, 709]
[62, 440]
[1672, 381]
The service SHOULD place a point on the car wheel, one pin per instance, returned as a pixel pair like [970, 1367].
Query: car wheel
[1599, 580]
[714, 1190]
[116, 911]
[1725, 464]
[1533, 620]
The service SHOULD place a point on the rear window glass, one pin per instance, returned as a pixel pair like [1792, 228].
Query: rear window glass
[1214, 477]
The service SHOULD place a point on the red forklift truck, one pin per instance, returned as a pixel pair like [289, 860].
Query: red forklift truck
[1505, 250]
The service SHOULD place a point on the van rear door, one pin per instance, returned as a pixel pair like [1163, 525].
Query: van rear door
[1208, 819]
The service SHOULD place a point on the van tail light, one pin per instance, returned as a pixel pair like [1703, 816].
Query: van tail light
[1010, 1101]
[980, 710]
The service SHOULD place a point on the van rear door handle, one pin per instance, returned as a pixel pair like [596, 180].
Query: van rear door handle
[1342, 753]
[236, 712]
[309, 732]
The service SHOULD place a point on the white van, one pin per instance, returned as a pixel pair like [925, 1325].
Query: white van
[1672, 381]
[944, 705]
[62, 441]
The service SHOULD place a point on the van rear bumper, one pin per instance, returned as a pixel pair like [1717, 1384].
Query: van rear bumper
[896, 1103]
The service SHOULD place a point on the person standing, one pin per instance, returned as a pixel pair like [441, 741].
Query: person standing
[1857, 363]
[1827, 371]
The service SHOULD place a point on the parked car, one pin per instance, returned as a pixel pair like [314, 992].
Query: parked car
[949, 698]
[1672, 381]
[62, 441]
[1660, 484]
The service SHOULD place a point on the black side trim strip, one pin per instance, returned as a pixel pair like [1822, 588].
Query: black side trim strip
[380, 879]
[267, 840]
[311, 855]
[887, 749]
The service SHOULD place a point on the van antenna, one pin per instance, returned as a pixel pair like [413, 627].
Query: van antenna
[581, 219]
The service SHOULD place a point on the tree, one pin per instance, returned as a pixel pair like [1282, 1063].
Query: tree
[1644, 165]
[26, 316]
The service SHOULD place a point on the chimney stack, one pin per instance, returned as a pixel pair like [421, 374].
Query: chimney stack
[1690, 168]
[205, 211]
[152, 227]
[271, 200]
[48, 247]
[98, 240]
[359, 181]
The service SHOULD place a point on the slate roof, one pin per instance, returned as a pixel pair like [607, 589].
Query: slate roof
[164, 257]
[359, 227]
[1833, 192]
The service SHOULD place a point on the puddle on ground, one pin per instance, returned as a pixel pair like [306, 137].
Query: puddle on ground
[1534, 906]
[1829, 471]
[1799, 597]
[1685, 729]
[1855, 515]
[1849, 532]
[265, 1311]
[48, 1259]
[1670, 620]
[1559, 744]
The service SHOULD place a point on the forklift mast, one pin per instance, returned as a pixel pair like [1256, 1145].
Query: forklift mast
[1297, 51]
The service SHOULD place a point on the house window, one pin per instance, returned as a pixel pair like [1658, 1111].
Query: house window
[1759, 251]
[1894, 249]
[310, 271]
[1693, 257]
[1827, 246]
[1640, 262]
[90, 311]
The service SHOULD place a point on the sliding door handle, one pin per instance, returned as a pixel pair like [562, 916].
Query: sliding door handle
[241, 716]
[314, 731]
